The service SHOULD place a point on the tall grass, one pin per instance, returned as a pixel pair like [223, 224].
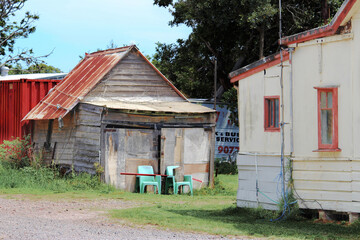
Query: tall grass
[21, 168]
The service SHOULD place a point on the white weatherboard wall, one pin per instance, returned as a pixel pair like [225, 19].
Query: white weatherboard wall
[322, 180]
[327, 180]
[259, 158]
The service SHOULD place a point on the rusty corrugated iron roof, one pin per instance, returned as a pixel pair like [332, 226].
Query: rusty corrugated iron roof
[80, 81]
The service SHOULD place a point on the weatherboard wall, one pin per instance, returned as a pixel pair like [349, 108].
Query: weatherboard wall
[322, 180]
[133, 79]
[259, 156]
[327, 180]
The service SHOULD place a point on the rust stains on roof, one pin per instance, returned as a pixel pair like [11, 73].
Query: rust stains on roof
[257, 66]
[80, 81]
[323, 31]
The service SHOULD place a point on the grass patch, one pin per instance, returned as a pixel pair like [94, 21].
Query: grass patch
[217, 214]
[45, 180]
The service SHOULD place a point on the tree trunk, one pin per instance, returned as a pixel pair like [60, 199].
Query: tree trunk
[325, 11]
[261, 42]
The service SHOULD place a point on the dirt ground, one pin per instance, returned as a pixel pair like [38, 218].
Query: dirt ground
[22, 218]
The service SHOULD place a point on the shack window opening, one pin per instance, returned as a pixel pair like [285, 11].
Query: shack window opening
[272, 115]
[327, 118]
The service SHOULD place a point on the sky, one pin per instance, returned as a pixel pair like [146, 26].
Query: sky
[72, 27]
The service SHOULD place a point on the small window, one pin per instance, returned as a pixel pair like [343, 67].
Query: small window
[272, 114]
[327, 119]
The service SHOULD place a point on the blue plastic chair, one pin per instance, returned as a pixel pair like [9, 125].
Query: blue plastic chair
[148, 180]
[170, 181]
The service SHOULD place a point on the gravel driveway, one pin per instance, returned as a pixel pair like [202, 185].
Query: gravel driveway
[74, 219]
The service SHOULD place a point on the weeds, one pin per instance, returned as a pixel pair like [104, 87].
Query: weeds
[218, 189]
[21, 168]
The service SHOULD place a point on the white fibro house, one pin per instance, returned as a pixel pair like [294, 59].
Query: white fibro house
[320, 116]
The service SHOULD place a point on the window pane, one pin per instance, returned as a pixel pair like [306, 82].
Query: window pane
[276, 117]
[326, 127]
[323, 100]
[329, 98]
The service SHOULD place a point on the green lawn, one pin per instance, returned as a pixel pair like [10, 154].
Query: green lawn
[217, 214]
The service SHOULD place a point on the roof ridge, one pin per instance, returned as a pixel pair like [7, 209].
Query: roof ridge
[112, 50]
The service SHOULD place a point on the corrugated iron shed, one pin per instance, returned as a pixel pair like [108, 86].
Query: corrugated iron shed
[80, 81]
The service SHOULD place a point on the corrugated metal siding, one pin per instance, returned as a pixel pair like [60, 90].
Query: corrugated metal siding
[17, 98]
[77, 84]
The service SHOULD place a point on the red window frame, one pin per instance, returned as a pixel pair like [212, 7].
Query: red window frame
[270, 124]
[333, 145]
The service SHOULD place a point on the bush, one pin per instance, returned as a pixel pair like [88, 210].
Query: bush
[225, 167]
[17, 153]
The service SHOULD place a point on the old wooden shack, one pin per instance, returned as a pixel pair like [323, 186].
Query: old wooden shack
[115, 108]
[321, 115]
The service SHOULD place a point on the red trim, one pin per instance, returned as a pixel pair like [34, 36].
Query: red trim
[260, 68]
[335, 137]
[328, 150]
[324, 31]
[268, 128]
[167, 80]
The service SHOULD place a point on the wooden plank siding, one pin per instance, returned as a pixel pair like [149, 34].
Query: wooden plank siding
[267, 174]
[77, 143]
[88, 132]
[64, 139]
[327, 184]
[133, 78]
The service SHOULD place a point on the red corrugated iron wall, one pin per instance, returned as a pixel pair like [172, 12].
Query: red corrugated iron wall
[17, 98]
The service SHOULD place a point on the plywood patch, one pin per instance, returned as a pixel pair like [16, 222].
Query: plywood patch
[196, 168]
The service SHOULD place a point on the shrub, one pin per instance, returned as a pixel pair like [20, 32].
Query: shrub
[17, 153]
[225, 167]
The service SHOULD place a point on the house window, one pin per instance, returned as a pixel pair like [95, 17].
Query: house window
[327, 119]
[272, 114]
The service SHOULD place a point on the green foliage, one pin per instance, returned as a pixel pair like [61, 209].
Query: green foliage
[46, 179]
[230, 99]
[16, 153]
[225, 167]
[13, 28]
[21, 168]
[34, 68]
[231, 31]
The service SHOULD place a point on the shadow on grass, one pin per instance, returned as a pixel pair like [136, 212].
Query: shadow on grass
[252, 222]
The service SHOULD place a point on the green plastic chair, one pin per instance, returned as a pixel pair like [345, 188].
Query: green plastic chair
[170, 181]
[148, 180]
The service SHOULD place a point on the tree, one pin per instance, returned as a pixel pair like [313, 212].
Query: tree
[34, 68]
[235, 32]
[11, 30]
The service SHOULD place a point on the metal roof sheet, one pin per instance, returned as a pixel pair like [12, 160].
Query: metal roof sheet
[82, 79]
[34, 76]
[173, 107]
